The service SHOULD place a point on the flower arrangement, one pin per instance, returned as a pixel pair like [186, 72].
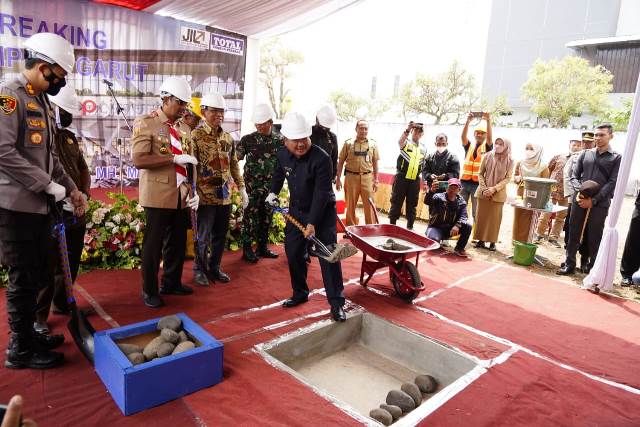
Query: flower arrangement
[114, 234]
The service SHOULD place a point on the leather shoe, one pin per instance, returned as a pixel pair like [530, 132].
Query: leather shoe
[626, 282]
[153, 301]
[566, 271]
[266, 253]
[200, 279]
[249, 256]
[176, 290]
[220, 276]
[338, 313]
[292, 302]
[48, 341]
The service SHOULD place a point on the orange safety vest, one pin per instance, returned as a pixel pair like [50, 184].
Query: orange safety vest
[471, 166]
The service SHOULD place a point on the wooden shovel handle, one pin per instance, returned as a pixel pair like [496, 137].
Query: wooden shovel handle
[293, 221]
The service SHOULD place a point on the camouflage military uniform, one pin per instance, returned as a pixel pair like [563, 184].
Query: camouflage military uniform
[259, 152]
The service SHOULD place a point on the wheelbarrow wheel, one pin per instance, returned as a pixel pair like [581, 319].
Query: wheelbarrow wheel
[409, 273]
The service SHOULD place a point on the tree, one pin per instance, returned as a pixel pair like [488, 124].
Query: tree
[618, 118]
[560, 90]
[276, 63]
[450, 92]
[351, 107]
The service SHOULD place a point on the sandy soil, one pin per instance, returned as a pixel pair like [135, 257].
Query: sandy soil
[553, 257]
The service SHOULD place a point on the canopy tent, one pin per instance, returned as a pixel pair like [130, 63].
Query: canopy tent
[253, 18]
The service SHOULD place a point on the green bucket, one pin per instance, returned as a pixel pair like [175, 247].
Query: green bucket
[537, 191]
[524, 253]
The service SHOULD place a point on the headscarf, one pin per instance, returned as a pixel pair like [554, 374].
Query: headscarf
[497, 165]
[533, 166]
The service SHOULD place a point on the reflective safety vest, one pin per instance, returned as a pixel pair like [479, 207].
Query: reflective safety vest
[471, 166]
[410, 161]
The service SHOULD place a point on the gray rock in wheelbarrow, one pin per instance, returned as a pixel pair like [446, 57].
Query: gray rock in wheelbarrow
[402, 400]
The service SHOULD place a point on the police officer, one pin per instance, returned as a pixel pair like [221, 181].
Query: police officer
[217, 166]
[360, 159]
[258, 149]
[307, 170]
[65, 104]
[160, 146]
[31, 174]
[406, 183]
[322, 136]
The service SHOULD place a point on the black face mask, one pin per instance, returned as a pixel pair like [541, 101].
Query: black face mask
[65, 119]
[54, 88]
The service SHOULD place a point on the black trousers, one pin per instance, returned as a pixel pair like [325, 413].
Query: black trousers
[583, 249]
[54, 291]
[161, 223]
[296, 247]
[25, 245]
[592, 235]
[213, 222]
[631, 256]
[402, 189]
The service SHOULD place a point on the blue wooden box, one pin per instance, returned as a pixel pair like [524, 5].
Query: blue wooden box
[135, 388]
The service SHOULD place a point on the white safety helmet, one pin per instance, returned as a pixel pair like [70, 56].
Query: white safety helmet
[176, 86]
[51, 48]
[295, 126]
[67, 99]
[326, 116]
[214, 100]
[262, 113]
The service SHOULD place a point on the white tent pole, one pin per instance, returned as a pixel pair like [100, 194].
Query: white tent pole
[604, 268]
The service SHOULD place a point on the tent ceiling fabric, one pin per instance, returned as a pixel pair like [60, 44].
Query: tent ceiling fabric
[254, 18]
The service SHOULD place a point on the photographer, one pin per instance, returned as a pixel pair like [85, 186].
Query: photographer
[440, 166]
[473, 155]
[406, 184]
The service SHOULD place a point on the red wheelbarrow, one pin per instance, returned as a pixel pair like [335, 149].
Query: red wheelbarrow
[371, 240]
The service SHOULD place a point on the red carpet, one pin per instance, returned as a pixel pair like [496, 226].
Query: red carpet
[562, 336]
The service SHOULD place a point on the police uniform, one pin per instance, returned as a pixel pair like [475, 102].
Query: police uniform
[76, 167]
[311, 201]
[28, 164]
[164, 202]
[217, 169]
[358, 158]
[259, 152]
[406, 183]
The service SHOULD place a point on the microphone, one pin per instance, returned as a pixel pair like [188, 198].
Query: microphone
[107, 82]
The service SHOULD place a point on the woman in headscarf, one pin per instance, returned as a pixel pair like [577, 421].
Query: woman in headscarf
[531, 166]
[495, 173]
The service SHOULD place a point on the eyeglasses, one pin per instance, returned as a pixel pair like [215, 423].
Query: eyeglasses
[179, 101]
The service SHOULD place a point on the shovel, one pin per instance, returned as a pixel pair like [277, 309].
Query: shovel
[79, 327]
[338, 251]
[194, 221]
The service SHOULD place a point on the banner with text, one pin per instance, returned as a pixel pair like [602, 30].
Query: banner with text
[133, 51]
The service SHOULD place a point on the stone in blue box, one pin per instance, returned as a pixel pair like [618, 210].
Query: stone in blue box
[138, 387]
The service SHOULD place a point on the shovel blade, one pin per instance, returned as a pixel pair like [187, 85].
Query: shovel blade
[82, 333]
[340, 251]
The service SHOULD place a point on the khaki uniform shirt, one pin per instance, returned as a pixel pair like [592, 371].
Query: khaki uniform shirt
[71, 156]
[158, 186]
[358, 156]
[28, 158]
[217, 165]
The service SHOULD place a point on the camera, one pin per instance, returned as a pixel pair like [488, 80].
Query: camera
[418, 126]
[477, 114]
